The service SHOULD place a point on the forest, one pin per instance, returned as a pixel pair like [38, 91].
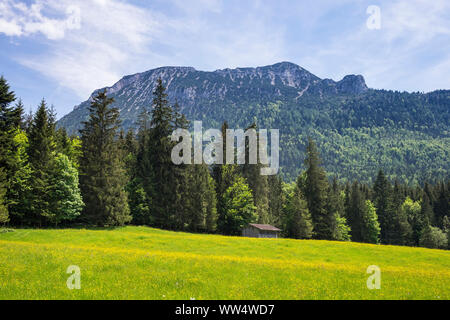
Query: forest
[105, 177]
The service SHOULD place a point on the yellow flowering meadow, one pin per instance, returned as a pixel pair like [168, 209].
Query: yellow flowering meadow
[146, 263]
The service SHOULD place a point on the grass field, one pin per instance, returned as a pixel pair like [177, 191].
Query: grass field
[146, 263]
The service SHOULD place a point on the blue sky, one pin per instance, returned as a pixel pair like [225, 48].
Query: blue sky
[63, 50]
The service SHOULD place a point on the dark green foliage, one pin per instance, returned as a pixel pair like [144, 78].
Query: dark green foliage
[442, 204]
[336, 208]
[138, 200]
[258, 184]
[41, 155]
[224, 176]
[162, 175]
[316, 194]
[4, 214]
[298, 219]
[201, 213]
[355, 209]
[383, 201]
[276, 200]
[102, 171]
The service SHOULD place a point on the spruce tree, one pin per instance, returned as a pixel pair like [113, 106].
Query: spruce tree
[102, 170]
[140, 188]
[316, 193]
[355, 212]
[224, 175]
[10, 120]
[442, 204]
[4, 214]
[41, 153]
[201, 200]
[383, 201]
[6, 144]
[335, 207]
[299, 224]
[276, 200]
[229, 174]
[258, 183]
[163, 177]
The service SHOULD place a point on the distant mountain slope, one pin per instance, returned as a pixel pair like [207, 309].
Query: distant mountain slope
[357, 129]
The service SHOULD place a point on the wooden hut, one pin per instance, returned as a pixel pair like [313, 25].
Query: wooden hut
[260, 231]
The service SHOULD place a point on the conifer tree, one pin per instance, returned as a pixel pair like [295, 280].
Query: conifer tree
[355, 212]
[224, 176]
[276, 200]
[140, 188]
[201, 200]
[102, 171]
[163, 177]
[299, 224]
[9, 120]
[258, 183]
[138, 200]
[442, 205]
[316, 193]
[4, 214]
[335, 207]
[383, 201]
[401, 229]
[41, 153]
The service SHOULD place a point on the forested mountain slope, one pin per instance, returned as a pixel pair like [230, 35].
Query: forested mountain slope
[358, 130]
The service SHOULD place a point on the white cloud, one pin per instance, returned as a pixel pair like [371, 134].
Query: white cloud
[402, 55]
[94, 43]
[116, 38]
[17, 19]
[104, 39]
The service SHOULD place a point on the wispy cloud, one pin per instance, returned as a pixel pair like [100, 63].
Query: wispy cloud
[403, 54]
[18, 19]
[97, 42]
[88, 44]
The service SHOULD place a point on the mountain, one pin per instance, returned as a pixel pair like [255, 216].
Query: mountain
[358, 130]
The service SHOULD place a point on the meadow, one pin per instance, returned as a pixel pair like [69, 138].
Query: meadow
[147, 263]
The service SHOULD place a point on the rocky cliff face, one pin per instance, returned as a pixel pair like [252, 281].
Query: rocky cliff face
[199, 92]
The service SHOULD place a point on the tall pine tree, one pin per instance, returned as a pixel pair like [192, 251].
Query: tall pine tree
[41, 153]
[316, 193]
[102, 170]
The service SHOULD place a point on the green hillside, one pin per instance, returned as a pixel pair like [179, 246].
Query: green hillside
[145, 263]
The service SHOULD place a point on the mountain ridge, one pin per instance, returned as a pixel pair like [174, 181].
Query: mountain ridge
[282, 69]
[355, 126]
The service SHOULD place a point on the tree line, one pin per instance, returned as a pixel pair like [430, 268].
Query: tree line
[105, 177]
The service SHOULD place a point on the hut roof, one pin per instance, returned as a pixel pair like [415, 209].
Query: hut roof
[266, 227]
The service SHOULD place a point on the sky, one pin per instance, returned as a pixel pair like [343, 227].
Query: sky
[62, 50]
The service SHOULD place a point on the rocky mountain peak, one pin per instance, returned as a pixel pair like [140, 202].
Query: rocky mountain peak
[352, 84]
